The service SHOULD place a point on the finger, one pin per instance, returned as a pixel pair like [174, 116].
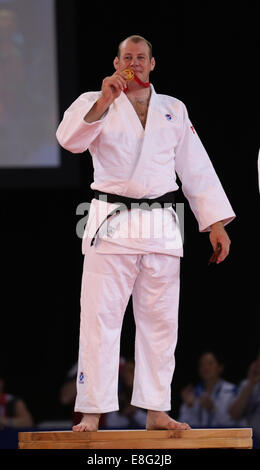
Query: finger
[123, 82]
[116, 85]
[120, 79]
[223, 254]
[120, 84]
[217, 251]
[112, 82]
[214, 244]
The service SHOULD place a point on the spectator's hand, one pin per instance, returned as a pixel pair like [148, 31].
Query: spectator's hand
[68, 392]
[206, 402]
[220, 242]
[254, 373]
[188, 396]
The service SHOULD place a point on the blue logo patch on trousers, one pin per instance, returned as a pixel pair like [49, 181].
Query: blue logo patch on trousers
[81, 378]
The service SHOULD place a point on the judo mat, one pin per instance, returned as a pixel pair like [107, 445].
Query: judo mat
[139, 439]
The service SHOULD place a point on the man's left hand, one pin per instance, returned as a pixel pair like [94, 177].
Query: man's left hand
[219, 238]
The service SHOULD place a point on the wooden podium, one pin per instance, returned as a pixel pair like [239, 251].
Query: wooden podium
[240, 438]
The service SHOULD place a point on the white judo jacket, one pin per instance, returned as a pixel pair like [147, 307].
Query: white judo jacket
[142, 163]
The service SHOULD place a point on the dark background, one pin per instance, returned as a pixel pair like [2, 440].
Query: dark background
[205, 56]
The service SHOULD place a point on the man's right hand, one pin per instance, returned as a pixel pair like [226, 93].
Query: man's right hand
[111, 89]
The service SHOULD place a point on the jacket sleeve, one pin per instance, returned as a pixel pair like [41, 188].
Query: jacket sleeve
[75, 134]
[200, 183]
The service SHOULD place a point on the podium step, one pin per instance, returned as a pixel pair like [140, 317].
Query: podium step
[240, 438]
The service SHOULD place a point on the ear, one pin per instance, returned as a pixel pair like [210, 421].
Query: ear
[152, 63]
[116, 63]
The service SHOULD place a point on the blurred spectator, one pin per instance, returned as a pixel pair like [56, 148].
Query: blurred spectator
[128, 416]
[13, 410]
[247, 403]
[68, 389]
[68, 394]
[207, 404]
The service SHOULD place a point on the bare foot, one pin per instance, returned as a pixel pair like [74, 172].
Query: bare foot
[89, 422]
[160, 420]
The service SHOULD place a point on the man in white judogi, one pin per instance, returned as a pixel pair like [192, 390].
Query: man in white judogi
[137, 139]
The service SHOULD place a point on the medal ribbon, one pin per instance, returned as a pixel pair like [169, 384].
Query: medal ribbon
[137, 79]
[145, 84]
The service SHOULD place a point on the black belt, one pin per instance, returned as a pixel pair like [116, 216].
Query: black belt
[125, 202]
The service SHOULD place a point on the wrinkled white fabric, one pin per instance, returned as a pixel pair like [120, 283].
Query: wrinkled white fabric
[134, 162]
[107, 283]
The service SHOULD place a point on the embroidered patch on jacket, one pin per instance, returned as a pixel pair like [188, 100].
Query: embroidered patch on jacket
[169, 117]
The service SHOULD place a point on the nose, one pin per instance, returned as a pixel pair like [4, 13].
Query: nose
[134, 61]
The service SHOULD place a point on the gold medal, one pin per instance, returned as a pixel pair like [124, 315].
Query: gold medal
[130, 74]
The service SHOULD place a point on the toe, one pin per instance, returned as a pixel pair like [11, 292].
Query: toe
[176, 425]
[78, 428]
[185, 426]
[75, 428]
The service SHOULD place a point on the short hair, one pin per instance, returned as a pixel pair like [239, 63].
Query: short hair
[216, 354]
[136, 38]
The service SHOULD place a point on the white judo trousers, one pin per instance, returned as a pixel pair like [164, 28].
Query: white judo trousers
[108, 280]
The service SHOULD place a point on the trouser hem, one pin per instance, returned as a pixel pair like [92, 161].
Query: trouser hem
[95, 410]
[151, 407]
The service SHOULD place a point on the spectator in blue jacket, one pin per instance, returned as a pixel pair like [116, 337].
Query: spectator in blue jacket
[207, 404]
